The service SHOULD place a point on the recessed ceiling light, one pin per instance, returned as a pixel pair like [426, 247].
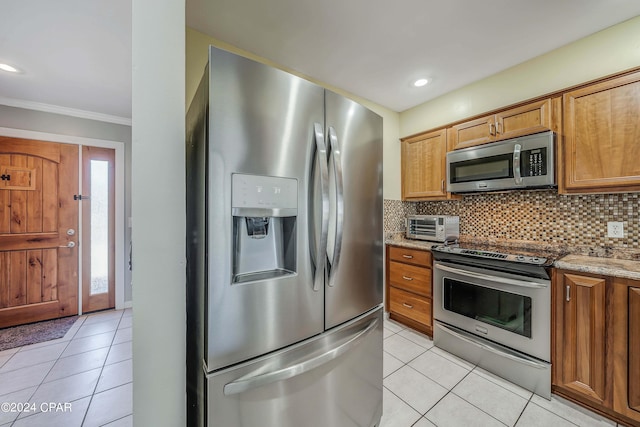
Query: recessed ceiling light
[420, 82]
[8, 68]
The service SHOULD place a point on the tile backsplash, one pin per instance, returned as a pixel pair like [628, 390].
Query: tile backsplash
[533, 216]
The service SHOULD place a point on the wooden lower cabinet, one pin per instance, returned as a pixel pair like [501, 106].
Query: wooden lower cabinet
[626, 343]
[408, 287]
[596, 343]
[583, 363]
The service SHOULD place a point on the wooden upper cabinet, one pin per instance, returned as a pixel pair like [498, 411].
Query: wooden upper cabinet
[581, 360]
[531, 118]
[423, 166]
[602, 137]
[524, 120]
[474, 132]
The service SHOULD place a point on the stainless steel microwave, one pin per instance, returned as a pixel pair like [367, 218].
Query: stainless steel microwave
[519, 163]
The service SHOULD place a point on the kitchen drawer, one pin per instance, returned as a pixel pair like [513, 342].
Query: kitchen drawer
[410, 278]
[410, 305]
[411, 256]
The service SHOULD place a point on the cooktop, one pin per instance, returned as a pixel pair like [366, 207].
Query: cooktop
[511, 259]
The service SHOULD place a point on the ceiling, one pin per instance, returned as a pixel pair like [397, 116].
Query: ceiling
[73, 53]
[77, 54]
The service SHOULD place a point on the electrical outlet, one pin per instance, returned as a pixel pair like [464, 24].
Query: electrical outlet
[615, 229]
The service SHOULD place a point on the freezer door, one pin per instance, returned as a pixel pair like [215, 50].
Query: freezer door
[262, 148]
[355, 243]
[331, 380]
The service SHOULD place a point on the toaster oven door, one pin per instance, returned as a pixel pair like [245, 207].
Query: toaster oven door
[422, 228]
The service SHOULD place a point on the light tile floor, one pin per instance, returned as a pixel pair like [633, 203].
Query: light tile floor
[426, 386]
[89, 370]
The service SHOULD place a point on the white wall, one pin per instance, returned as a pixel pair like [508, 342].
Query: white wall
[158, 194]
[606, 52]
[196, 54]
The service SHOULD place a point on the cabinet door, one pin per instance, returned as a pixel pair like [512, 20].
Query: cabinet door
[524, 120]
[474, 132]
[602, 136]
[633, 349]
[423, 166]
[581, 362]
[626, 341]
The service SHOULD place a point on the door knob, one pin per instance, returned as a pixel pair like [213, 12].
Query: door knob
[71, 232]
[69, 245]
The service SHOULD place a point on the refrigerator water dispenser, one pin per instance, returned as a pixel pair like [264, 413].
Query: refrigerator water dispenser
[264, 210]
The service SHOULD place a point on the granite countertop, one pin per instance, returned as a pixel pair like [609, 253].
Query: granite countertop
[623, 268]
[626, 266]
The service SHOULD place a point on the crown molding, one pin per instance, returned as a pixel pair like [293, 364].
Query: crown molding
[56, 109]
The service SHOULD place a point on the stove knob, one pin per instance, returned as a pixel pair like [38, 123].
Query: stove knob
[535, 259]
[519, 258]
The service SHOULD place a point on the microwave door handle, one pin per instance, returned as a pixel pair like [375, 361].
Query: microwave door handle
[336, 155]
[497, 279]
[321, 246]
[516, 164]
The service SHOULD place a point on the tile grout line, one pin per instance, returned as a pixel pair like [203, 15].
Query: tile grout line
[523, 409]
[84, 419]
[557, 415]
[81, 320]
[450, 390]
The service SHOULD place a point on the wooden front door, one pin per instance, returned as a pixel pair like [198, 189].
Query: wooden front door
[98, 229]
[38, 231]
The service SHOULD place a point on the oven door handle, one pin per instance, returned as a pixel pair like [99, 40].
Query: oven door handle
[517, 358]
[504, 280]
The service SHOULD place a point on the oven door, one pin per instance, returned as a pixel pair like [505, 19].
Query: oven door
[509, 309]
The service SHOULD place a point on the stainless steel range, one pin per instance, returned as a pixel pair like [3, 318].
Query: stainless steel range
[493, 308]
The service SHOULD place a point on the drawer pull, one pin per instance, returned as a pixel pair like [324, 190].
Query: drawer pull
[407, 278]
[407, 305]
[407, 256]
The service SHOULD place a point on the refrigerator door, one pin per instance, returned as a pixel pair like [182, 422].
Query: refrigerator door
[355, 244]
[262, 291]
[331, 380]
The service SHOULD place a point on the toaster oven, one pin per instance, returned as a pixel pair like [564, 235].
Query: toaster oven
[436, 228]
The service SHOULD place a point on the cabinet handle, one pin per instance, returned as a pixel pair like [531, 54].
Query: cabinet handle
[498, 127]
[407, 256]
[442, 186]
[491, 129]
[407, 278]
[407, 305]
[568, 293]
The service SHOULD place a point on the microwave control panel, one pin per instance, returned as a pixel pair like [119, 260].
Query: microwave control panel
[533, 162]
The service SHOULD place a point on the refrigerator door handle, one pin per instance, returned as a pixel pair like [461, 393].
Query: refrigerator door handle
[250, 382]
[321, 245]
[336, 155]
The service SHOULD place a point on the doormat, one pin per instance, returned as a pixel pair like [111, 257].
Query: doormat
[33, 333]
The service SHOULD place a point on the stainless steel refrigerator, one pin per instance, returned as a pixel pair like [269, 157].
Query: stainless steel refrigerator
[284, 252]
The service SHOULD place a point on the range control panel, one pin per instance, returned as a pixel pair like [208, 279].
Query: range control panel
[525, 259]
